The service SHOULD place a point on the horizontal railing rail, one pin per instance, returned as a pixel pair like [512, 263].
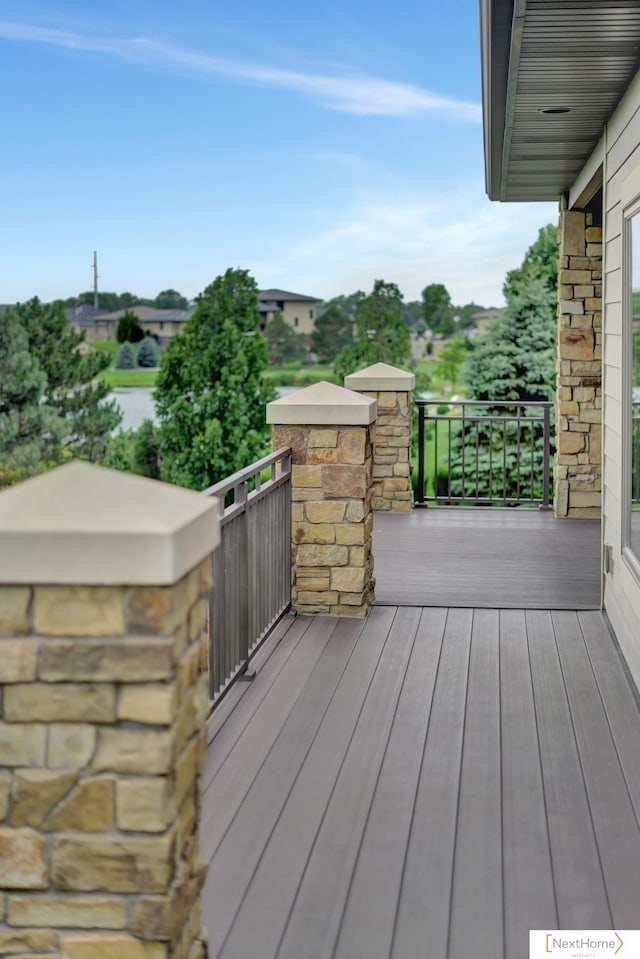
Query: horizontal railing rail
[484, 453]
[251, 567]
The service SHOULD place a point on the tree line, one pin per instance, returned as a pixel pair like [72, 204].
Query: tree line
[211, 393]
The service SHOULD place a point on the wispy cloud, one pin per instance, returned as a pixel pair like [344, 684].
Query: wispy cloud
[463, 241]
[362, 95]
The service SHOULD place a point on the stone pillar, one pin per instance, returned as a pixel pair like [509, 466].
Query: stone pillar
[104, 578]
[578, 471]
[330, 431]
[393, 390]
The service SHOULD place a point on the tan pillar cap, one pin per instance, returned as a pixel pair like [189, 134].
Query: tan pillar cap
[323, 404]
[382, 378]
[84, 524]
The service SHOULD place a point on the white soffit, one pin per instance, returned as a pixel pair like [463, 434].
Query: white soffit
[84, 524]
[323, 404]
[380, 377]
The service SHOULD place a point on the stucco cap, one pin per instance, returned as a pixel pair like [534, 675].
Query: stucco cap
[84, 524]
[381, 377]
[323, 404]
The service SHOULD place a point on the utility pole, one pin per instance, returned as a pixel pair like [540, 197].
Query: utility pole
[95, 279]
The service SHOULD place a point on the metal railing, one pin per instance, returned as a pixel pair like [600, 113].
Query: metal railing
[480, 453]
[251, 567]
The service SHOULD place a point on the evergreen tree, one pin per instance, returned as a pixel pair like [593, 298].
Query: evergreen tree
[514, 360]
[210, 396]
[30, 431]
[148, 352]
[71, 369]
[333, 330]
[125, 360]
[129, 329]
[380, 332]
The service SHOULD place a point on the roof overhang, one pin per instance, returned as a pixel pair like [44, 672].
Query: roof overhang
[553, 72]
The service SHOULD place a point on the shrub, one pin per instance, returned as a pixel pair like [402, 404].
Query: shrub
[148, 352]
[125, 360]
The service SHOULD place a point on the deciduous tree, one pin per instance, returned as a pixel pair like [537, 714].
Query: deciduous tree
[333, 329]
[380, 332]
[210, 396]
[437, 309]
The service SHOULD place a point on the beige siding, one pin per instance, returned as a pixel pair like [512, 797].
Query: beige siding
[300, 310]
[621, 587]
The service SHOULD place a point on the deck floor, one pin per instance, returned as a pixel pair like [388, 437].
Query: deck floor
[429, 782]
[494, 558]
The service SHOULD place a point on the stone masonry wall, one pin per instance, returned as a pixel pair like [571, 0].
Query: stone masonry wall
[102, 742]
[392, 452]
[332, 521]
[578, 471]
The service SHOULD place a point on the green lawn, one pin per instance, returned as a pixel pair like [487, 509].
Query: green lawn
[429, 455]
[129, 377]
[136, 377]
[295, 374]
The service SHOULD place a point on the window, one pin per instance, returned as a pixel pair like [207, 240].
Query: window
[296, 321]
[631, 348]
[310, 314]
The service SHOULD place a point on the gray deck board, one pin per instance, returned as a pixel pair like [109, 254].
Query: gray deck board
[614, 820]
[425, 896]
[311, 854]
[369, 917]
[517, 559]
[476, 921]
[438, 782]
[250, 816]
[529, 901]
[581, 894]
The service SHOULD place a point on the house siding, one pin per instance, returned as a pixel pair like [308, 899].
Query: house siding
[621, 587]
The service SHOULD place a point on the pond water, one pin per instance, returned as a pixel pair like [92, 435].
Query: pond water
[136, 404]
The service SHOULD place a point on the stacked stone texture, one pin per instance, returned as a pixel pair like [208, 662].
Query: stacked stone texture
[578, 472]
[392, 451]
[331, 517]
[102, 742]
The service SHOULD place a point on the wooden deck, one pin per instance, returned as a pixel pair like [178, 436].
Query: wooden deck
[427, 783]
[494, 558]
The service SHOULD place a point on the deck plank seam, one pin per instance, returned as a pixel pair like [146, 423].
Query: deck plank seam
[633, 800]
[273, 744]
[263, 694]
[582, 772]
[377, 781]
[542, 774]
[417, 789]
[297, 775]
[457, 817]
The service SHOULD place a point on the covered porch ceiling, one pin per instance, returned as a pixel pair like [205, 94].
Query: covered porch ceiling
[553, 72]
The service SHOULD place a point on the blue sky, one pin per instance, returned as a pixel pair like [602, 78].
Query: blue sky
[319, 146]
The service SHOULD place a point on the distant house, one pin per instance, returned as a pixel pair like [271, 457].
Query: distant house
[484, 319]
[297, 310]
[100, 325]
[87, 319]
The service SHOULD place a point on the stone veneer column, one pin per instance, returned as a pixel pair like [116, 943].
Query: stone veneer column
[330, 431]
[104, 580]
[578, 471]
[393, 391]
